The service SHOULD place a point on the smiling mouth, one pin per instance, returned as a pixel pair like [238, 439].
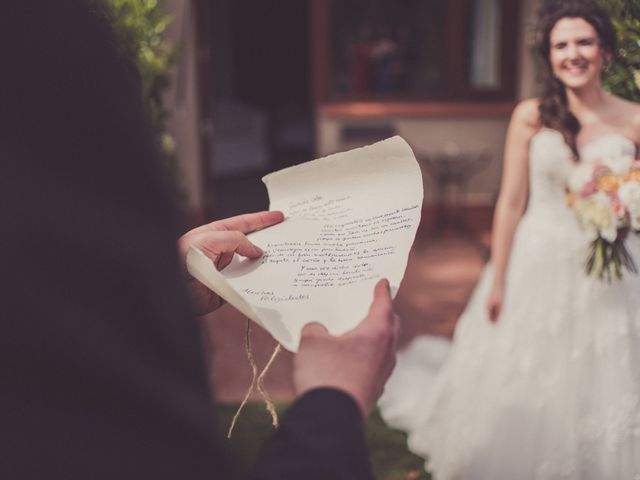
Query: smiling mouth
[575, 70]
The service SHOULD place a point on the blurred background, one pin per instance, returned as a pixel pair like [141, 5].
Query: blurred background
[258, 86]
[239, 88]
[263, 85]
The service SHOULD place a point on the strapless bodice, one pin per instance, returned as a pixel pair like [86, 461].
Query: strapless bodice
[550, 162]
[552, 390]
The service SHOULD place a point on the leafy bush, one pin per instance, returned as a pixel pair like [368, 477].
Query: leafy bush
[139, 25]
[623, 76]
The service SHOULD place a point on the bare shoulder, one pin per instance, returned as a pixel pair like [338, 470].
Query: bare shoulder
[525, 121]
[527, 114]
[528, 111]
[634, 120]
[629, 116]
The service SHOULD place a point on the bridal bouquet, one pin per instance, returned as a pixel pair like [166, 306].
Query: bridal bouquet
[605, 196]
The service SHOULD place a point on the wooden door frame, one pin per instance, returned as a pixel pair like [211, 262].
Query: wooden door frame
[201, 9]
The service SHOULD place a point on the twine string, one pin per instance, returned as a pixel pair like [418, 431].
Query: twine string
[257, 382]
[254, 373]
[265, 396]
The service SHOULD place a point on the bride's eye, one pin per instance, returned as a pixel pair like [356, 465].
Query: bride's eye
[587, 41]
[560, 45]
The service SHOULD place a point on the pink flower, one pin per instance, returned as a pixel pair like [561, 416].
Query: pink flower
[600, 171]
[588, 189]
[618, 208]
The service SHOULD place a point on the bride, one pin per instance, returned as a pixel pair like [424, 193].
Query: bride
[543, 377]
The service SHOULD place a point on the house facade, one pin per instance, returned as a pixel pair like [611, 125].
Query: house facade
[445, 79]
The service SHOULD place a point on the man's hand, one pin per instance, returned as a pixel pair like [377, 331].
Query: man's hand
[358, 362]
[219, 241]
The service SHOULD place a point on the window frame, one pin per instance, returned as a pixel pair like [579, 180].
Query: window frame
[455, 97]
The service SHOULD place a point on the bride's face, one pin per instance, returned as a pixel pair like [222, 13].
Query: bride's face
[576, 55]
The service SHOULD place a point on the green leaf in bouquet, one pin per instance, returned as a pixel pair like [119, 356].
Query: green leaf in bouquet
[591, 257]
[609, 260]
[597, 267]
[614, 268]
[627, 259]
[607, 254]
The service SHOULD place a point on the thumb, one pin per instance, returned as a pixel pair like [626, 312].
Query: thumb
[314, 328]
[382, 290]
[381, 297]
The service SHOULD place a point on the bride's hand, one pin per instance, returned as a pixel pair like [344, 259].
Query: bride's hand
[219, 241]
[494, 304]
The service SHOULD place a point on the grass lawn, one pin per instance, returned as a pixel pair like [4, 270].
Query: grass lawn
[391, 460]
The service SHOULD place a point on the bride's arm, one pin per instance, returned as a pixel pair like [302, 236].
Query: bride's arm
[513, 196]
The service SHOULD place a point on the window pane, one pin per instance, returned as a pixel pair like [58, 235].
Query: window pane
[387, 47]
[485, 44]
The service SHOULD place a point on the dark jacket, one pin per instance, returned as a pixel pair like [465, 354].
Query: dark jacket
[101, 366]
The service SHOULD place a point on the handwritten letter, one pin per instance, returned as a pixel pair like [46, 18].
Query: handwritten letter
[350, 220]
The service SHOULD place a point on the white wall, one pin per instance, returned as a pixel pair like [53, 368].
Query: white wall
[436, 133]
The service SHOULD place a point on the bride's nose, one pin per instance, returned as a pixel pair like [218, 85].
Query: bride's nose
[573, 52]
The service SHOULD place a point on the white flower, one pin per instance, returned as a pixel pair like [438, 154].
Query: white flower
[629, 194]
[619, 165]
[580, 175]
[596, 215]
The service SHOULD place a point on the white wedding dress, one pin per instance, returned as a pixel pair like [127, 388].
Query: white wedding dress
[552, 391]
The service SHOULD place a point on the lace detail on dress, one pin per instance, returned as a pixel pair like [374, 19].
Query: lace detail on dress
[552, 391]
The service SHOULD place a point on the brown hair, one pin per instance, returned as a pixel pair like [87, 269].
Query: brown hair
[554, 108]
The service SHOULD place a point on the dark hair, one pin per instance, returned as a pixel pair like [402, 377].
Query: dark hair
[554, 108]
[70, 94]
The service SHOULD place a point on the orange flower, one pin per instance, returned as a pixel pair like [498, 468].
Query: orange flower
[633, 176]
[608, 183]
[571, 199]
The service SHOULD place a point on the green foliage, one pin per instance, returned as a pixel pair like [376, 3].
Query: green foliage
[139, 25]
[389, 455]
[623, 76]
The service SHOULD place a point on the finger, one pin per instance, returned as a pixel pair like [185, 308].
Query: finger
[249, 222]
[243, 223]
[214, 244]
[314, 328]
[382, 305]
[382, 290]
[494, 313]
[224, 260]
[381, 315]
